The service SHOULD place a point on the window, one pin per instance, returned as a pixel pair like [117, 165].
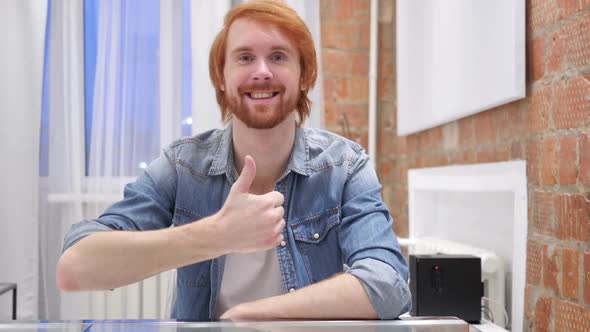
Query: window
[127, 91]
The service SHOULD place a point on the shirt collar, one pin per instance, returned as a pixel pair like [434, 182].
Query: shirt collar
[223, 161]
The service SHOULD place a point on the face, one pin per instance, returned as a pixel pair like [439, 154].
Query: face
[261, 74]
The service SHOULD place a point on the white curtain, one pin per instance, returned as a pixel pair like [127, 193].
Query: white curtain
[61, 202]
[22, 24]
[124, 135]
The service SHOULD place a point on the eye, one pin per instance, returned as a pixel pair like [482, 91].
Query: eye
[245, 58]
[278, 57]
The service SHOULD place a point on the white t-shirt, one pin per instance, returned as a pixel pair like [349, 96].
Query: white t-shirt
[249, 277]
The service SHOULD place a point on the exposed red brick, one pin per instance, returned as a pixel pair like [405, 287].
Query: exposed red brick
[537, 57]
[329, 33]
[541, 13]
[364, 40]
[578, 47]
[567, 7]
[466, 157]
[551, 266]
[360, 63]
[569, 275]
[466, 135]
[400, 172]
[572, 106]
[486, 155]
[543, 314]
[572, 217]
[362, 138]
[356, 113]
[516, 151]
[345, 9]
[534, 265]
[509, 121]
[385, 142]
[386, 89]
[330, 113]
[584, 175]
[328, 11]
[533, 155]
[586, 277]
[336, 62]
[412, 143]
[349, 35]
[502, 153]
[386, 115]
[385, 170]
[386, 36]
[387, 64]
[361, 7]
[568, 170]
[549, 161]
[485, 131]
[436, 160]
[571, 317]
[556, 50]
[543, 213]
[430, 139]
[528, 301]
[359, 88]
[335, 88]
[538, 112]
[389, 144]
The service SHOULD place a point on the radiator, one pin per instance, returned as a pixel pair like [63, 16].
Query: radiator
[492, 268]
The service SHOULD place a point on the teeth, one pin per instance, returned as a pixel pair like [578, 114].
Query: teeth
[258, 95]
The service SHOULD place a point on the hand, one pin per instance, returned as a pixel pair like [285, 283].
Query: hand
[238, 313]
[251, 222]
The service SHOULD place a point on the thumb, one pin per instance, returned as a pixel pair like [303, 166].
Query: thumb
[247, 176]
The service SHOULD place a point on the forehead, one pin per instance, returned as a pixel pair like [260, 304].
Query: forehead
[249, 34]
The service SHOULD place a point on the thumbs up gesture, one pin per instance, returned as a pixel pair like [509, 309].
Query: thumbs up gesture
[251, 222]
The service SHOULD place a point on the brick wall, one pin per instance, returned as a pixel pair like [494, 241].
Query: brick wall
[550, 129]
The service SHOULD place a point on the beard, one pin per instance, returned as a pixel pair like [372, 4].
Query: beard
[261, 117]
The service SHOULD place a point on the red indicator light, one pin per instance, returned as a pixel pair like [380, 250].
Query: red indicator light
[436, 267]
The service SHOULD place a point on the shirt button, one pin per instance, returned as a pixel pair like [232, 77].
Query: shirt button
[283, 243]
[291, 290]
[316, 236]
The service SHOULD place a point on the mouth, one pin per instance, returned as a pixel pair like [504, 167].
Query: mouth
[261, 95]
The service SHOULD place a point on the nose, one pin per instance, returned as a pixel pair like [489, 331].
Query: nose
[262, 72]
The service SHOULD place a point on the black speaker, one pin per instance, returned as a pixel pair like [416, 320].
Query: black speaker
[446, 285]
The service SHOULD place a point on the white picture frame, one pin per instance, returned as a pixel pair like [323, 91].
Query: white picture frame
[456, 58]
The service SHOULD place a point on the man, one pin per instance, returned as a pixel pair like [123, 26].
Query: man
[273, 241]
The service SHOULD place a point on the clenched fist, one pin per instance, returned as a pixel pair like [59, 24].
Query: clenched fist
[251, 222]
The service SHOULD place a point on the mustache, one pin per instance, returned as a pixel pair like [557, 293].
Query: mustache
[267, 86]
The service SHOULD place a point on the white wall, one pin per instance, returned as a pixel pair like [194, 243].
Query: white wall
[22, 26]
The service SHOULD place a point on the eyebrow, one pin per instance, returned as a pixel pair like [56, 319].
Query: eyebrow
[274, 48]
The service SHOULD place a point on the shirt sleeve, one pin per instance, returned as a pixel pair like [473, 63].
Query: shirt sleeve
[148, 204]
[388, 292]
[368, 243]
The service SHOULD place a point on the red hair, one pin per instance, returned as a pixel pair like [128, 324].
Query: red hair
[276, 13]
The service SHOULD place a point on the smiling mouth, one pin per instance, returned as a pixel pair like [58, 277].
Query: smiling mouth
[261, 95]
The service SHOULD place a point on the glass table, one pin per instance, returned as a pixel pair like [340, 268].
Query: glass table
[429, 324]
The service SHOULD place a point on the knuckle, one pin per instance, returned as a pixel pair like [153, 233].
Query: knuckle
[280, 213]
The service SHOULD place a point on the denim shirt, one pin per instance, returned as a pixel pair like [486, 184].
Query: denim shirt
[336, 220]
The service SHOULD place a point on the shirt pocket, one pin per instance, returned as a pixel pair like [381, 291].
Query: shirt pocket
[184, 216]
[317, 241]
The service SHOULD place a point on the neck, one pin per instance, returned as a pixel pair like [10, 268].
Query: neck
[270, 148]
